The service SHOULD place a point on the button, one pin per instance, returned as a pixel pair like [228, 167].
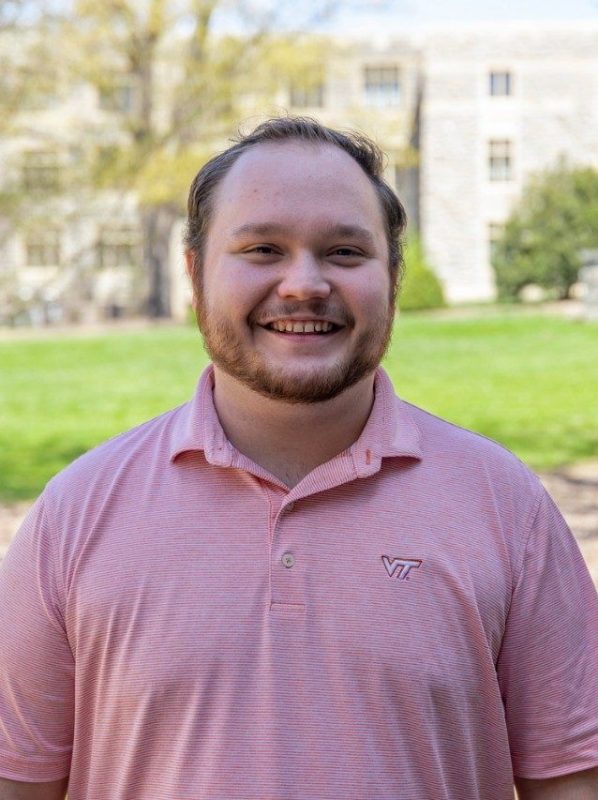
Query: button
[288, 560]
[289, 507]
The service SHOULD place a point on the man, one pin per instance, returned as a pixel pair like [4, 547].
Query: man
[297, 585]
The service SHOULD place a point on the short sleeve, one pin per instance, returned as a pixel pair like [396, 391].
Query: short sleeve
[548, 663]
[36, 663]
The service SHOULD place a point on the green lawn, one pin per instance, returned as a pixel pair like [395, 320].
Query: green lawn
[530, 382]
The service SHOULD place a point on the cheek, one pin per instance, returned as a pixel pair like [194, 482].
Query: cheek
[234, 290]
[369, 297]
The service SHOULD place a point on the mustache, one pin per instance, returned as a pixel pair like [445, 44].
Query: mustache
[315, 308]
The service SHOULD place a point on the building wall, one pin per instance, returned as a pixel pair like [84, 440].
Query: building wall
[69, 226]
[435, 127]
[552, 112]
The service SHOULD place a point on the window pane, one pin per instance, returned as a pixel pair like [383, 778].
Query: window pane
[500, 84]
[499, 160]
[382, 85]
[310, 97]
[42, 248]
[495, 232]
[119, 95]
[40, 171]
[118, 247]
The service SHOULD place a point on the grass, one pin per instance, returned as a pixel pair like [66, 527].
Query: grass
[530, 382]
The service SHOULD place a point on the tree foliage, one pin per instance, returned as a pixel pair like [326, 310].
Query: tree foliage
[189, 82]
[555, 219]
[171, 81]
[420, 287]
[29, 78]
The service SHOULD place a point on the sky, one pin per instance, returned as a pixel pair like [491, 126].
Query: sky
[417, 12]
[396, 15]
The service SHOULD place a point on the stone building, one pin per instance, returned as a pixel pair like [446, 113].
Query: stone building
[500, 102]
[465, 114]
[67, 252]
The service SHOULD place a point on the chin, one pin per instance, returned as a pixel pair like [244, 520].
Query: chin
[316, 385]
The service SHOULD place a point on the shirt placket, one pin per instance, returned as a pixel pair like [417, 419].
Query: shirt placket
[288, 558]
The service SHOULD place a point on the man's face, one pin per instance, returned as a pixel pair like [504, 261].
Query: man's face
[296, 300]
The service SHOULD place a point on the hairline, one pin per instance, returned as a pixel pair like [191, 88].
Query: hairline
[236, 154]
[319, 136]
[316, 144]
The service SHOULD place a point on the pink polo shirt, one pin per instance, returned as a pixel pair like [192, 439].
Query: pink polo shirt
[413, 620]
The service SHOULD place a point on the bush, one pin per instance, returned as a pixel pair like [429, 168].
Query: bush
[556, 217]
[420, 288]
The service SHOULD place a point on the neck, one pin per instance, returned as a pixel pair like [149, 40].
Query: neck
[290, 440]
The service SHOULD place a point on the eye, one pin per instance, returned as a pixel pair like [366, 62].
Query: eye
[346, 256]
[261, 252]
[346, 251]
[266, 249]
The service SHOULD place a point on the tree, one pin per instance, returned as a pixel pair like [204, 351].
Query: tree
[28, 80]
[171, 79]
[179, 83]
[555, 219]
[420, 288]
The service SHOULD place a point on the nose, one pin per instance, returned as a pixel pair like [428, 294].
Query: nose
[304, 278]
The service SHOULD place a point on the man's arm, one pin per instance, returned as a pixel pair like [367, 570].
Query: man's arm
[19, 790]
[576, 786]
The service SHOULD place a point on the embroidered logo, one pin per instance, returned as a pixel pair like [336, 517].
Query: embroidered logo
[406, 565]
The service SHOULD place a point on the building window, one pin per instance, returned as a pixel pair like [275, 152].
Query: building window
[382, 86]
[495, 233]
[120, 94]
[500, 84]
[307, 97]
[406, 182]
[42, 248]
[500, 161]
[40, 171]
[118, 246]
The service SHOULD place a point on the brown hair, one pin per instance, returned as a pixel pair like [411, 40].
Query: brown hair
[367, 154]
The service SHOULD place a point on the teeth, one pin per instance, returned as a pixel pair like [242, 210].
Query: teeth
[290, 326]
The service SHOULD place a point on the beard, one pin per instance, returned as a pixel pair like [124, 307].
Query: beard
[229, 352]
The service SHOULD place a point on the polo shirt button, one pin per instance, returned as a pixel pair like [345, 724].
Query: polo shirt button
[290, 507]
[288, 560]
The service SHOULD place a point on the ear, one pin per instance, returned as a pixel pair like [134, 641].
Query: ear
[191, 270]
[189, 263]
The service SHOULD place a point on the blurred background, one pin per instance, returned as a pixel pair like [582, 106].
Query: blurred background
[107, 110]
[488, 117]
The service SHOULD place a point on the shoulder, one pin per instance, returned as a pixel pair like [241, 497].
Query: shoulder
[453, 455]
[441, 436]
[134, 450]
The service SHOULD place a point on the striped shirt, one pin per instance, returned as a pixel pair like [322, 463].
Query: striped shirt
[412, 620]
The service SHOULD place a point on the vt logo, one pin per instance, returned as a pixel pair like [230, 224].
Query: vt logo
[405, 564]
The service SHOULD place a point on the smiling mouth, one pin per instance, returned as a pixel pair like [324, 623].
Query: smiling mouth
[303, 327]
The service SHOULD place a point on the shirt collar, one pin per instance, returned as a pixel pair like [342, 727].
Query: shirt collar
[199, 427]
[390, 430]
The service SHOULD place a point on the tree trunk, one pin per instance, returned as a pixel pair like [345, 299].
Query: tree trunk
[157, 224]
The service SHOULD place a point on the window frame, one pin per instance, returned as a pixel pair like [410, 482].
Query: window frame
[500, 160]
[381, 92]
[495, 231]
[114, 239]
[500, 83]
[41, 171]
[301, 96]
[46, 241]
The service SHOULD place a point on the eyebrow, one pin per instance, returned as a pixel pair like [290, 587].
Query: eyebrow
[275, 229]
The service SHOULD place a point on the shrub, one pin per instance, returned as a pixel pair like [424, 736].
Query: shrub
[556, 217]
[420, 288]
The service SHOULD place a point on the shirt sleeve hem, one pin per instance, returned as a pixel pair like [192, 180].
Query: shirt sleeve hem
[31, 769]
[540, 773]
